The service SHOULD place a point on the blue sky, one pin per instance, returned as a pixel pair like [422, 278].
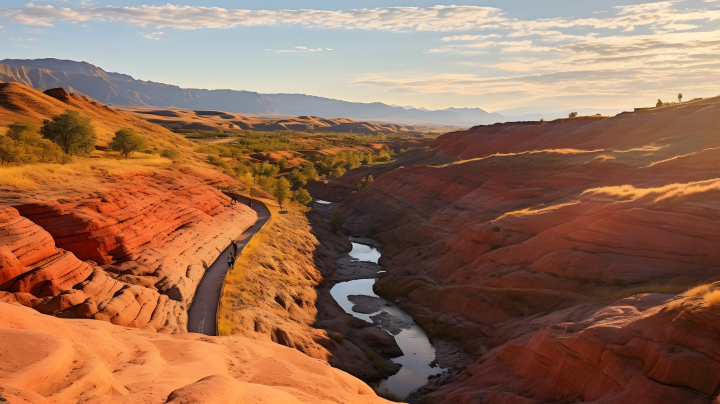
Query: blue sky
[491, 54]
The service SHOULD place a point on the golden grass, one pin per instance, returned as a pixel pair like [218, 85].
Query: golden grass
[671, 191]
[535, 210]
[712, 299]
[613, 294]
[273, 282]
[34, 176]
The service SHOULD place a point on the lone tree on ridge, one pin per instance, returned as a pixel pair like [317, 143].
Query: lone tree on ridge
[72, 132]
[281, 190]
[127, 142]
[679, 97]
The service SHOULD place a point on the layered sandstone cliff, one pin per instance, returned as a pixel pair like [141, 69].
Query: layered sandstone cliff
[521, 248]
[131, 253]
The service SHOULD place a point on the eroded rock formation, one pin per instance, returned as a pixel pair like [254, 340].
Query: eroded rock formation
[523, 246]
[131, 253]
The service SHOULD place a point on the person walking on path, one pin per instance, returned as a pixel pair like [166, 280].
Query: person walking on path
[235, 247]
[231, 261]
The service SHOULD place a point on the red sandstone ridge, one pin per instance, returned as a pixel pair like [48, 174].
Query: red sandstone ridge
[522, 248]
[47, 360]
[131, 253]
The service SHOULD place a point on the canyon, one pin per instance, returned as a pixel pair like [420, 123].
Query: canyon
[574, 260]
[100, 260]
[562, 255]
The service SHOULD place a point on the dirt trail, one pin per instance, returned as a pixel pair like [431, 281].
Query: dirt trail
[202, 316]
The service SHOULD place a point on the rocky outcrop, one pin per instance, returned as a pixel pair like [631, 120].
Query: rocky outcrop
[542, 227]
[49, 360]
[131, 254]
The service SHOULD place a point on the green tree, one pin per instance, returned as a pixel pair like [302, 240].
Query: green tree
[72, 132]
[127, 141]
[8, 150]
[336, 220]
[309, 171]
[281, 190]
[296, 178]
[282, 163]
[302, 196]
[23, 132]
[365, 181]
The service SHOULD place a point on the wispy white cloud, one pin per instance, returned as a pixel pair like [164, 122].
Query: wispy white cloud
[152, 35]
[298, 49]
[436, 18]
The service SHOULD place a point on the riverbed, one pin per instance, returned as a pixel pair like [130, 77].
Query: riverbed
[418, 352]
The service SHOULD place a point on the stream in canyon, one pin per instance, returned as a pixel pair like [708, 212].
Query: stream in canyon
[418, 352]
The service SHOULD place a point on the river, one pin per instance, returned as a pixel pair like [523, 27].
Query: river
[418, 352]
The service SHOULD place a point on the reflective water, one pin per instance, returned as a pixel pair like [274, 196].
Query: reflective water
[417, 349]
[320, 201]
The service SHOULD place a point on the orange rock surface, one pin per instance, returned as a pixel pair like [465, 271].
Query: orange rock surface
[131, 253]
[50, 360]
[542, 227]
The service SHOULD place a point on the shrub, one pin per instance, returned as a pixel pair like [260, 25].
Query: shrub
[127, 141]
[339, 172]
[217, 161]
[281, 190]
[336, 220]
[296, 178]
[170, 154]
[309, 171]
[365, 181]
[282, 163]
[659, 103]
[72, 132]
[572, 115]
[338, 338]
[302, 196]
[24, 145]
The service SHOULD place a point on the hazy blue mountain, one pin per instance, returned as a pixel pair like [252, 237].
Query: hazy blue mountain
[122, 89]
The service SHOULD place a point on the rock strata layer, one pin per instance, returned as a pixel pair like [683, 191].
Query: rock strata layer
[131, 254]
[524, 247]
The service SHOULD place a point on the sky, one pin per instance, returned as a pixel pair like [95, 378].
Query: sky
[493, 54]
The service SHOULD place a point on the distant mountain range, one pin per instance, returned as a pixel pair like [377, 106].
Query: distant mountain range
[121, 89]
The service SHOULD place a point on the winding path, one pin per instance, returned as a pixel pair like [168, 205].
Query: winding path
[202, 316]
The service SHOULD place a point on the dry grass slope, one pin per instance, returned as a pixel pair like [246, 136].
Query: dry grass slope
[269, 294]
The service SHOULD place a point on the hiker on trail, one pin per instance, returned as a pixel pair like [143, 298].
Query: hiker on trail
[231, 261]
[233, 199]
[235, 248]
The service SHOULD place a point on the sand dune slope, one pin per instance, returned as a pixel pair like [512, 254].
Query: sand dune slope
[50, 360]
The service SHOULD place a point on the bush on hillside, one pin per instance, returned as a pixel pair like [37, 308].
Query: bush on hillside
[302, 196]
[365, 181]
[170, 154]
[23, 145]
[127, 141]
[72, 132]
[573, 115]
[218, 161]
[339, 172]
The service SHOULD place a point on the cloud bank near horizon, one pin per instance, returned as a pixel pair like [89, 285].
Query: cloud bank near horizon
[629, 49]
